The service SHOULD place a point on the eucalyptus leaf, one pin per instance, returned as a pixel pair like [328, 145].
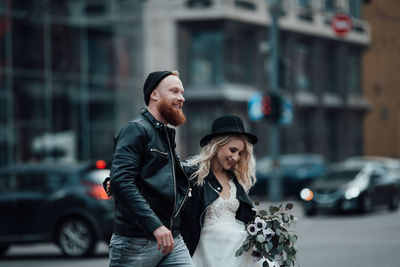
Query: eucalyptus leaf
[285, 218]
[238, 252]
[260, 238]
[271, 209]
[289, 206]
[278, 232]
[270, 245]
[266, 248]
[263, 213]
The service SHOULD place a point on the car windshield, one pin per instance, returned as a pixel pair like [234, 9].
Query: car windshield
[97, 176]
[342, 175]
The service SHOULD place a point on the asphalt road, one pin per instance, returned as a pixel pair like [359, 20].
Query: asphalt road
[324, 241]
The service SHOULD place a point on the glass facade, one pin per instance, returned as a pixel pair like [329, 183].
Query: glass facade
[62, 66]
[302, 66]
[219, 54]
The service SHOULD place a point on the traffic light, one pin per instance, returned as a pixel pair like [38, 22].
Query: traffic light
[272, 107]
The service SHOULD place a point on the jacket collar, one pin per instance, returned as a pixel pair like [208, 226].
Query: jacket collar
[240, 193]
[150, 118]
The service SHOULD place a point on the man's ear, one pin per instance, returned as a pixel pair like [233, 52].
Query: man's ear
[155, 95]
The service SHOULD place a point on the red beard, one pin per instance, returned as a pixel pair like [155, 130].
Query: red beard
[171, 114]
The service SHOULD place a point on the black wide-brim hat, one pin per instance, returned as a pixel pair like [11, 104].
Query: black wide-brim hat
[227, 124]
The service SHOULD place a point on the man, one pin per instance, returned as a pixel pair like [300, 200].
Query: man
[147, 181]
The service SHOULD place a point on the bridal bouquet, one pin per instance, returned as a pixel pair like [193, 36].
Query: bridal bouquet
[269, 236]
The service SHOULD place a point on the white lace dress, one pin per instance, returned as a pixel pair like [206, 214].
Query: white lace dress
[222, 235]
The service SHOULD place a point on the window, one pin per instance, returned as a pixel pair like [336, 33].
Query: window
[302, 66]
[331, 68]
[7, 183]
[219, 55]
[239, 56]
[355, 8]
[198, 3]
[332, 135]
[28, 45]
[329, 5]
[205, 60]
[354, 84]
[40, 181]
[100, 52]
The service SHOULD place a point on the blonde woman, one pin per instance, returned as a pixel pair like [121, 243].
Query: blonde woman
[219, 206]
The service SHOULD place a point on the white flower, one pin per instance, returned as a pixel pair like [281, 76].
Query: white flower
[260, 223]
[268, 233]
[252, 229]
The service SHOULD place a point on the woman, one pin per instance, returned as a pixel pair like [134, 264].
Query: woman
[215, 215]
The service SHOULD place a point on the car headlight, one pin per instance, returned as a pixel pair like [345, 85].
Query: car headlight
[352, 193]
[306, 194]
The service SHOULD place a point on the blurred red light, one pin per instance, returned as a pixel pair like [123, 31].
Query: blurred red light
[101, 164]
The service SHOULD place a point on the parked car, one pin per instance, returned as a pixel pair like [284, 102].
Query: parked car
[296, 172]
[352, 185]
[64, 204]
[392, 164]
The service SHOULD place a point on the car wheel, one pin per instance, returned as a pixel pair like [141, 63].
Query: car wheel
[394, 202]
[76, 237]
[366, 203]
[3, 249]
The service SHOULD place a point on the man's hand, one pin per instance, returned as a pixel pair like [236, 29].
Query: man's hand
[108, 190]
[107, 186]
[164, 238]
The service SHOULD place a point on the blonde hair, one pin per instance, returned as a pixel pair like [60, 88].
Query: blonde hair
[244, 170]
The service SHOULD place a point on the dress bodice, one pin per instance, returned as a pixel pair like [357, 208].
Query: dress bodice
[222, 209]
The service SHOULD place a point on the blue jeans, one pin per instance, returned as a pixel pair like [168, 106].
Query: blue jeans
[131, 251]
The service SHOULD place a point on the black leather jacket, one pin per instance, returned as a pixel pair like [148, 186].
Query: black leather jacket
[201, 198]
[147, 181]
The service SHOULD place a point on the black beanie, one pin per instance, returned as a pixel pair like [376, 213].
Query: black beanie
[152, 80]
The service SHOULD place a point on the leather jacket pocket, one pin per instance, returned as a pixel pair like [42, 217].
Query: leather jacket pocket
[156, 161]
[159, 152]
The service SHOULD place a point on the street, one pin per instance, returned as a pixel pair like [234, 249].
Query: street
[328, 240]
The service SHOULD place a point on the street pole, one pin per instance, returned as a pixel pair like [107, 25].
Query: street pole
[275, 193]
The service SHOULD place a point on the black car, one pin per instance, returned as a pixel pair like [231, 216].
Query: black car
[296, 172]
[352, 186]
[64, 204]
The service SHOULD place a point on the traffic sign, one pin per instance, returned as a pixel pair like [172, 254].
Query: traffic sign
[255, 107]
[341, 23]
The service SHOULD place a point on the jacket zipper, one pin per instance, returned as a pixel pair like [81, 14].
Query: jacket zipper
[173, 174]
[158, 151]
[201, 215]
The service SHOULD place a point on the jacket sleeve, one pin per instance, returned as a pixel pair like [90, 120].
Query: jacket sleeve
[125, 170]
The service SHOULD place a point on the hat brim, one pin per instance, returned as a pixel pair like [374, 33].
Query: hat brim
[206, 139]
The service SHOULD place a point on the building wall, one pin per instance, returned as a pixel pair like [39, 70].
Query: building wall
[220, 71]
[381, 79]
[70, 73]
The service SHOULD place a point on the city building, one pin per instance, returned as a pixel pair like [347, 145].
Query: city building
[381, 81]
[69, 76]
[222, 50]
[71, 72]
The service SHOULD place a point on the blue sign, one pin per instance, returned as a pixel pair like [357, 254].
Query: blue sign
[286, 118]
[254, 107]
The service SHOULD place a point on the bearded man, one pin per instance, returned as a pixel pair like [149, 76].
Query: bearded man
[147, 181]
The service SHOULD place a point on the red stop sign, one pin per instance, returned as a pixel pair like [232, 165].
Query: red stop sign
[341, 23]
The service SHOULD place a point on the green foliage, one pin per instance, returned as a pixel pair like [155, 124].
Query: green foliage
[276, 241]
